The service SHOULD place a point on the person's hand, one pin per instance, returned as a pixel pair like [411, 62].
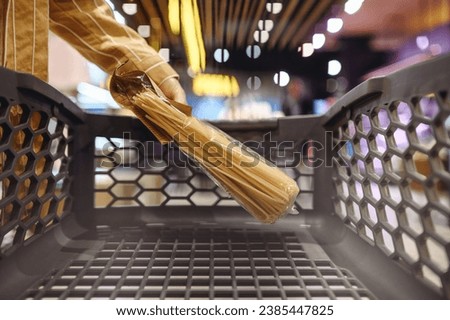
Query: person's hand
[173, 90]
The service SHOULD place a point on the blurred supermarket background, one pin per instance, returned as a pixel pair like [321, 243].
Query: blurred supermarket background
[263, 59]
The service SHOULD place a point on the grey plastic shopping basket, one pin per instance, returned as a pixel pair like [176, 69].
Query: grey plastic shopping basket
[93, 207]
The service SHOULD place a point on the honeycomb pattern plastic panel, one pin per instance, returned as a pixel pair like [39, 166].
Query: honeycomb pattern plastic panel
[129, 173]
[35, 153]
[393, 182]
[200, 263]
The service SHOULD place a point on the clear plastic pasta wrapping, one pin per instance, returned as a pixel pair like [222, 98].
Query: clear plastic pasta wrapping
[257, 185]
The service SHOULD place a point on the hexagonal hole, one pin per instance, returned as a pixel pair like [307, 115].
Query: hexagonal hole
[362, 147]
[356, 190]
[42, 188]
[349, 129]
[8, 240]
[62, 186]
[18, 114]
[305, 200]
[431, 276]
[125, 190]
[204, 198]
[6, 160]
[413, 192]
[174, 173]
[373, 190]
[35, 229]
[10, 213]
[37, 120]
[399, 140]
[200, 181]
[40, 166]
[371, 214]
[61, 207]
[21, 165]
[363, 124]
[292, 172]
[409, 247]
[346, 152]
[5, 133]
[379, 144]
[54, 125]
[428, 106]
[46, 209]
[381, 119]
[368, 233]
[437, 254]
[441, 164]
[440, 225]
[306, 183]
[8, 186]
[59, 166]
[125, 174]
[387, 241]
[21, 139]
[26, 187]
[151, 198]
[424, 136]
[103, 181]
[411, 220]
[418, 166]
[394, 166]
[438, 193]
[57, 146]
[401, 112]
[354, 212]
[66, 132]
[389, 217]
[375, 168]
[29, 210]
[152, 181]
[178, 189]
[39, 143]
[102, 199]
[392, 193]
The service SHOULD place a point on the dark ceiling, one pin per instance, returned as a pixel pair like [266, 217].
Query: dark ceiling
[231, 24]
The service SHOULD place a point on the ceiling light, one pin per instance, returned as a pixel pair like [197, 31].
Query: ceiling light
[274, 7]
[352, 6]
[266, 25]
[318, 40]
[334, 67]
[422, 42]
[221, 55]
[281, 78]
[144, 30]
[307, 50]
[215, 85]
[334, 25]
[191, 32]
[261, 36]
[253, 51]
[254, 83]
[165, 54]
[129, 8]
[174, 16]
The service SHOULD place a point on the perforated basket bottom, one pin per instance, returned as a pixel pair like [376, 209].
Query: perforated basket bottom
[199, 263]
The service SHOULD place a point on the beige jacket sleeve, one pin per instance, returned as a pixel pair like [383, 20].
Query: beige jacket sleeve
[90, 27]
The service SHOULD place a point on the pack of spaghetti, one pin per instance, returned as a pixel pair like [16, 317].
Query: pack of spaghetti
[258, 186]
